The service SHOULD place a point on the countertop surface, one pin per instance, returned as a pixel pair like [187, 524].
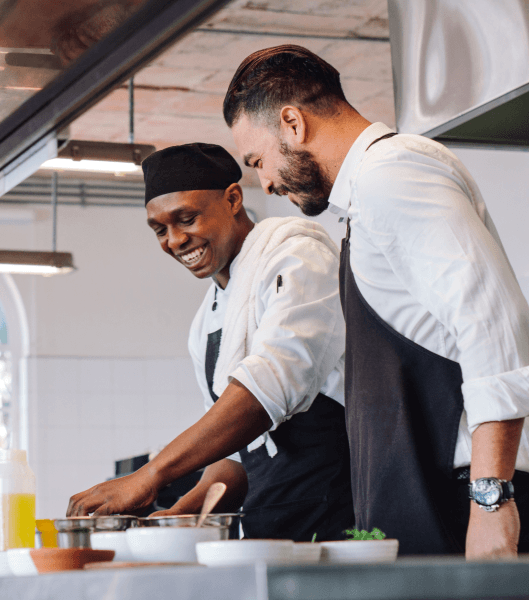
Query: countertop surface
[420, 578]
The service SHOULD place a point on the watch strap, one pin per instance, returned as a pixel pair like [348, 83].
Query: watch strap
[508, 489]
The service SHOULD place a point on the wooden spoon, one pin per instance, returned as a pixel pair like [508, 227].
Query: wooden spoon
[213, 495]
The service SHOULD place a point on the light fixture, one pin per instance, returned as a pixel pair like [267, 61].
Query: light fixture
[102, 157]
[29, 262]
[99, 166]
[34, 262]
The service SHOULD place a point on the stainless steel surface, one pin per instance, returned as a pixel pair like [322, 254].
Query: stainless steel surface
[75, 523]
[450, 58]
[213, 520]
[115, 522]
[120, 48]
[213, 495]
[78, 538]
[74, 532]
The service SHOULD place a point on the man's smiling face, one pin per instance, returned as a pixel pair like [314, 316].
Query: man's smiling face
[198, 228]
[282, 170]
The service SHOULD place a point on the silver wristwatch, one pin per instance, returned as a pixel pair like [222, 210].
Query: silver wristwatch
[488, 492]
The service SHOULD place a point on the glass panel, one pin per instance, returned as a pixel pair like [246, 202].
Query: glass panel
[3, 326]
[6, 426]
[40, 38]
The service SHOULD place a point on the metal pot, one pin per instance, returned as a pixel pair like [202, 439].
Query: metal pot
[74, 532]
[115, 522]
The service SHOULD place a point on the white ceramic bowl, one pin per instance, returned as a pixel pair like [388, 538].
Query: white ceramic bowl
[4, 564]
[240, 552]
[168, 544]
[306, 552]
[112, 540]
[20, 561]
[359, 551]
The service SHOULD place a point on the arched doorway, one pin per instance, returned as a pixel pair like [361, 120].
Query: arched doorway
[14, 351]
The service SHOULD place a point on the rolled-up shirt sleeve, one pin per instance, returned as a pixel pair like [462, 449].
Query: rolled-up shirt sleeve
[425, 222]
[300, 338]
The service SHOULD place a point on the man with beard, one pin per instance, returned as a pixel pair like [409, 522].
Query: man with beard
[430, 302]
[267, 346]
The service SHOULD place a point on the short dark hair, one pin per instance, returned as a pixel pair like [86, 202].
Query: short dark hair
[271, 78]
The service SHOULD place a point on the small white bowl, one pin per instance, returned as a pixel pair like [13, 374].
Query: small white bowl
[241, 552]
[4, 564]
[20, 561]
[359, 551]
[306, 552]
[168, 544]
[112, 540]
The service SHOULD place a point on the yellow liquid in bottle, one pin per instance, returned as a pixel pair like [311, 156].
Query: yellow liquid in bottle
[18, 521]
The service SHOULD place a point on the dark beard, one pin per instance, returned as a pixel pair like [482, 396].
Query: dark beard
[304, 177]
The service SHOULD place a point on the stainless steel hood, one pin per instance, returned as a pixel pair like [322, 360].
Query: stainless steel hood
[461, 69]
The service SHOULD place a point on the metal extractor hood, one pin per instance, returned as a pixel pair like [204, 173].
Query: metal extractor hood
[461, 69]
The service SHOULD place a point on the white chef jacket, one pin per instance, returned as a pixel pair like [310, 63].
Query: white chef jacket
[427, 258]
[299, 344]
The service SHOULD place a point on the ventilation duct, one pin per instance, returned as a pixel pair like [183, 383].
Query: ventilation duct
[461, 69]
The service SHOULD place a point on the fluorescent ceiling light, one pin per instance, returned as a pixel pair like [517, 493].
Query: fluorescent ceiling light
[100, 157]
[35, 262]
[99, 166]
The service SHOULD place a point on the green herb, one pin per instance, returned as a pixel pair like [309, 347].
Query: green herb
[354, 534]
[314, 538]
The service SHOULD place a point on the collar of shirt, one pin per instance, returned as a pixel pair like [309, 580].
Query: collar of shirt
[340, 198]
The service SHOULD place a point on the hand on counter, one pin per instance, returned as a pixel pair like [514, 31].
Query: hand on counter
[127, 495]
[493, 535]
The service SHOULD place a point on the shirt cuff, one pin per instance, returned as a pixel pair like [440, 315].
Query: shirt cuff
[243, 375]
[497, 398]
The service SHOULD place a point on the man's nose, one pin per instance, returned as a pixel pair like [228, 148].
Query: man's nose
[176, 238]
[266, 184]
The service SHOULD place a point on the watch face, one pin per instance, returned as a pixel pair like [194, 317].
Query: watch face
[487, 491]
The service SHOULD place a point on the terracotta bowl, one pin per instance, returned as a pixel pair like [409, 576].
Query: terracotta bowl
[67, 559]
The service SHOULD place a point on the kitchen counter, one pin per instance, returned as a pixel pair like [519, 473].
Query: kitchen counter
[410, 579]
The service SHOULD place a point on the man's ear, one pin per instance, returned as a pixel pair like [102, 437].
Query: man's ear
[293, 126]
[234, 196]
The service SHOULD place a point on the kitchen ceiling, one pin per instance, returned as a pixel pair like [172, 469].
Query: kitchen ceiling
[178, 97]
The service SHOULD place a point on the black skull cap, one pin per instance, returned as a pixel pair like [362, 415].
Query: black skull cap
[187, 167]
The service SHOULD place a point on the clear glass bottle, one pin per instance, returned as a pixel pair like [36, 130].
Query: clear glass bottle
[17, 500]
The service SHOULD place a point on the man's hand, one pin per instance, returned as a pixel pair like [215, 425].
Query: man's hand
[226, 470]
[493, 535]
[127, 495]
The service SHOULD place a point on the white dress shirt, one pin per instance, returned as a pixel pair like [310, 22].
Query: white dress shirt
[301, 331]
[427, 258]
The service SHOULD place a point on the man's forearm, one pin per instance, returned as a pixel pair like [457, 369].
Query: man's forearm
[494, 449]
[494, 535]
[235, 420]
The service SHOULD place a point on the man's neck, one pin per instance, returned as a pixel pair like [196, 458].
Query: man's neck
[222, 278]
[334, 139]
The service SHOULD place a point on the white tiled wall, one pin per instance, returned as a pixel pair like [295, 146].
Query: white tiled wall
[89, 412]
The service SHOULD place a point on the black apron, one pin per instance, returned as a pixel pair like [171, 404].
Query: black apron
[403, 409]
[305, 487]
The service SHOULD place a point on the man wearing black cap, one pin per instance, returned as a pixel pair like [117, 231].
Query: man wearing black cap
[267, 345]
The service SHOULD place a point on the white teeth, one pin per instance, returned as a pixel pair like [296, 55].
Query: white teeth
[193, 257]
